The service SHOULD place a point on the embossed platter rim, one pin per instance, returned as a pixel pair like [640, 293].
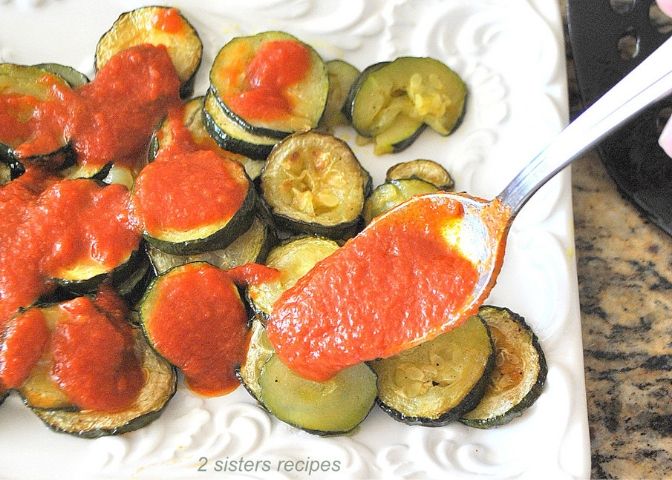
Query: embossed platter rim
[518, 101]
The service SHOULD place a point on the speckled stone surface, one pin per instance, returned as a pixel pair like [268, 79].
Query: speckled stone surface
[625, 288]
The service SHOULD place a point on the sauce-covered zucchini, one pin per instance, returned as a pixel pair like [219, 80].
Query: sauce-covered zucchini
[155, 25]
[33, 113]
[271, 83]
[438, 381]
[313, 183]
[519, 374]
[193, 202]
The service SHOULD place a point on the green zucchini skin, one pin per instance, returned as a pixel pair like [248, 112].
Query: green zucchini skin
[159, 388]
[222, 238]
[230, 135]
[319, 86]
[75, 78]
[392, 193]
[535, 390]
[115, 276]
[349, 103]
[467, 403]
[78, 171]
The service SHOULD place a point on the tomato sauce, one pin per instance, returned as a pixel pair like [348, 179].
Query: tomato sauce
[277, 65]
[168, 20]
[23, 342]
[198, 323]
[112, 118]
[94, 358]
[187, 191]
[43, 233]
[252, 274]
[391, 285]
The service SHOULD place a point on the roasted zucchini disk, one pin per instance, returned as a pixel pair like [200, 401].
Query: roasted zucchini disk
[392, 101]
[86, 276]
[75, 78]
[259, 351]
[194, 202]
[159, 387]
[192, 120]
[230, 136]
[313, 183]
[293, 259]
[251, 247]
[332, 407]
[33, 117]
[341, 77]
[519, 374]
[440, 380]
[427, 170]
[157, 26]
[271, 83]
[393, 193]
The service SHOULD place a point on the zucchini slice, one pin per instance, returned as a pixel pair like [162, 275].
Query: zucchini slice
[313, 183]
[173, 228]
[33, 137]
[427, 170]
[271, 83]
[92, 172]
[324, 408]
[392, 101]
[133, 287]
[393, 193]
[341, 77]
[259, 351]
[293, 259]
[159, 388]
[230, 136]
[438, 381]
[75, 78]
[520, 371]
[251, 247]
[82, 278]
[192, 119]
[157, 26]
[5, 173]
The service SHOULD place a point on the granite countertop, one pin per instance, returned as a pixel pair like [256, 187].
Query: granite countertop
[625, 288]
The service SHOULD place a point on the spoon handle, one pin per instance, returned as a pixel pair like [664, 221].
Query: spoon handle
[646, 84]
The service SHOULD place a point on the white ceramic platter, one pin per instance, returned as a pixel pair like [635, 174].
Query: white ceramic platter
[510, 52]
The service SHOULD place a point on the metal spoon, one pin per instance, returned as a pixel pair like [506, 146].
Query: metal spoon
[323, 315]
[489, 221]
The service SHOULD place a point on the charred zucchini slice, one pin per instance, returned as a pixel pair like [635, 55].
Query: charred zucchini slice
[159, 388]
[271, 84]
[324, 408]
[157, 26]
[251, 247]
[392, 101]
[192, 120]
[33, 132]
[313, 183]
[75, 78]
[427, 170]
[293, 259]
[230, 136]
[259, 351]
[393, 193]
[519, 374]
[341, 77]
[225, 195]
[438, 381]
